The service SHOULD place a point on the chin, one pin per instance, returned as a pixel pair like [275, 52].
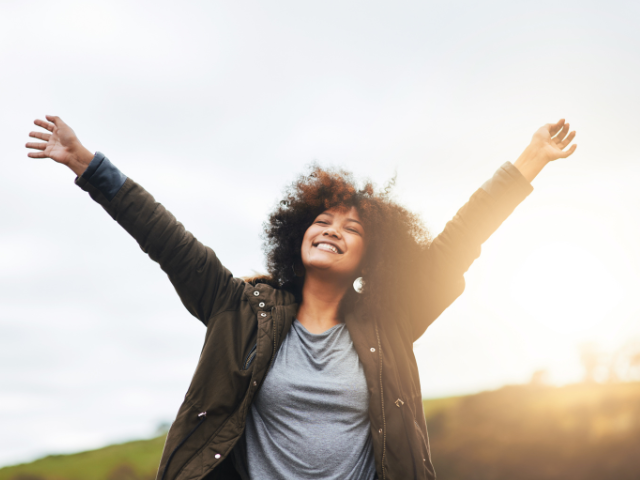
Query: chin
[324, 266]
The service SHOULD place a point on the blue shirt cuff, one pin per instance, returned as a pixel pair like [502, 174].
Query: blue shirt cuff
[104, 176]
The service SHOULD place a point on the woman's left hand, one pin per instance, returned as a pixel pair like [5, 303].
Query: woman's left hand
[548, 144]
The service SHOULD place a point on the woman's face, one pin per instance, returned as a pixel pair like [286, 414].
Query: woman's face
[335, 243]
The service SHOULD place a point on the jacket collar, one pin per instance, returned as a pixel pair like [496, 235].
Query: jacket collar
[263, 297]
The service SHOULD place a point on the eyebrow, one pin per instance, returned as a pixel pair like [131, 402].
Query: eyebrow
[348, 219]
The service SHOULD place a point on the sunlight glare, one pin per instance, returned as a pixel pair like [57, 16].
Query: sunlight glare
[565, 287]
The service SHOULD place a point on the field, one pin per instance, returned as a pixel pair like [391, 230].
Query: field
[581, 432]
[127, 461]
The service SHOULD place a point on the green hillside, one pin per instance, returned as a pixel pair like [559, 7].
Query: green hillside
[127, 461]
[578, 432]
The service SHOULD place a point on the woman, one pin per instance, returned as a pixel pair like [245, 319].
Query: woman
[301, 376]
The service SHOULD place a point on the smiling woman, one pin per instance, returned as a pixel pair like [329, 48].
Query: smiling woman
[299, 375]
[328, 232]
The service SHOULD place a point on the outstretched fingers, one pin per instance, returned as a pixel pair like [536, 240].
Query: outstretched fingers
[39, 145]
[554, 128]
[40, 135]
[567, 140]
[43, 124]
[562, 133]
[36, 145]
[565, 154]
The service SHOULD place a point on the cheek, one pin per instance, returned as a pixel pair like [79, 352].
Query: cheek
[306, 240]
[358, 248]
[308, 235]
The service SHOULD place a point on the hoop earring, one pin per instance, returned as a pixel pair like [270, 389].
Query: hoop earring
[358, 284]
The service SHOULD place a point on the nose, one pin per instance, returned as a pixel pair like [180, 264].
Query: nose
[331, 232]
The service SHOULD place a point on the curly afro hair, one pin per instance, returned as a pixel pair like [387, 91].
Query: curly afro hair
[395, 236]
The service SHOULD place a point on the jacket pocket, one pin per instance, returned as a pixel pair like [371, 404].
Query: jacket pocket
[202, 416]
[247, 361]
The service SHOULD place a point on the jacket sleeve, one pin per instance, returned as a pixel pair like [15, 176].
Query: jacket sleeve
[204, 285]
[452, 252]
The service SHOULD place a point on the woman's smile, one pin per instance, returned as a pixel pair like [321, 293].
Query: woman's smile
[328, 247]
[339, 234]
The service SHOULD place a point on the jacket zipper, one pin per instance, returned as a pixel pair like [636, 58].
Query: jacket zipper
[250, 357]
[384, 422]
[275, 331]
[203, 417]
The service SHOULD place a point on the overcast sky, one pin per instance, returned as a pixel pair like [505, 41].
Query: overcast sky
[214, 107]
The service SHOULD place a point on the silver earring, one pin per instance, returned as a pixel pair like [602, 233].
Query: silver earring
[358, 285]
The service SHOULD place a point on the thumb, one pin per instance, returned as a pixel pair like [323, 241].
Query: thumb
[57, 121]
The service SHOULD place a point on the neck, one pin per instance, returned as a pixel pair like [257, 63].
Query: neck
[319, 310]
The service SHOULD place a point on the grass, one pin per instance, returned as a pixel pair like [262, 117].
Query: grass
[582, 432]
[136, 460]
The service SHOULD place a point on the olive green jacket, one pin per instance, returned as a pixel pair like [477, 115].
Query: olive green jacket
[246, 324]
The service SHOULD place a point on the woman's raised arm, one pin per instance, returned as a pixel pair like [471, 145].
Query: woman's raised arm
[452, 252]
[203, 284]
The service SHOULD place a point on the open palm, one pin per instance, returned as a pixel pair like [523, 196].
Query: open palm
[547, 144]
[61, 145]
[552, 139]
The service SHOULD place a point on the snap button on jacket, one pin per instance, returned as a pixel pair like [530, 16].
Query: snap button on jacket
[246, 324]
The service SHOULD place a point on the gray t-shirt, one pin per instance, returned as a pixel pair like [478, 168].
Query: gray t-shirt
[310, 419]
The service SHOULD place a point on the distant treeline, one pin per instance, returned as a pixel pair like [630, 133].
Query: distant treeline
[579, 432]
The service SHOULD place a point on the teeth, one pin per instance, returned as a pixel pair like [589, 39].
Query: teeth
[327, 247]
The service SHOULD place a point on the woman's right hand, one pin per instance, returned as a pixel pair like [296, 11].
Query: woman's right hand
[548, 144]
[61, 145]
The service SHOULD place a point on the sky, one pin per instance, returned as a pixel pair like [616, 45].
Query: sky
[215, 107]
